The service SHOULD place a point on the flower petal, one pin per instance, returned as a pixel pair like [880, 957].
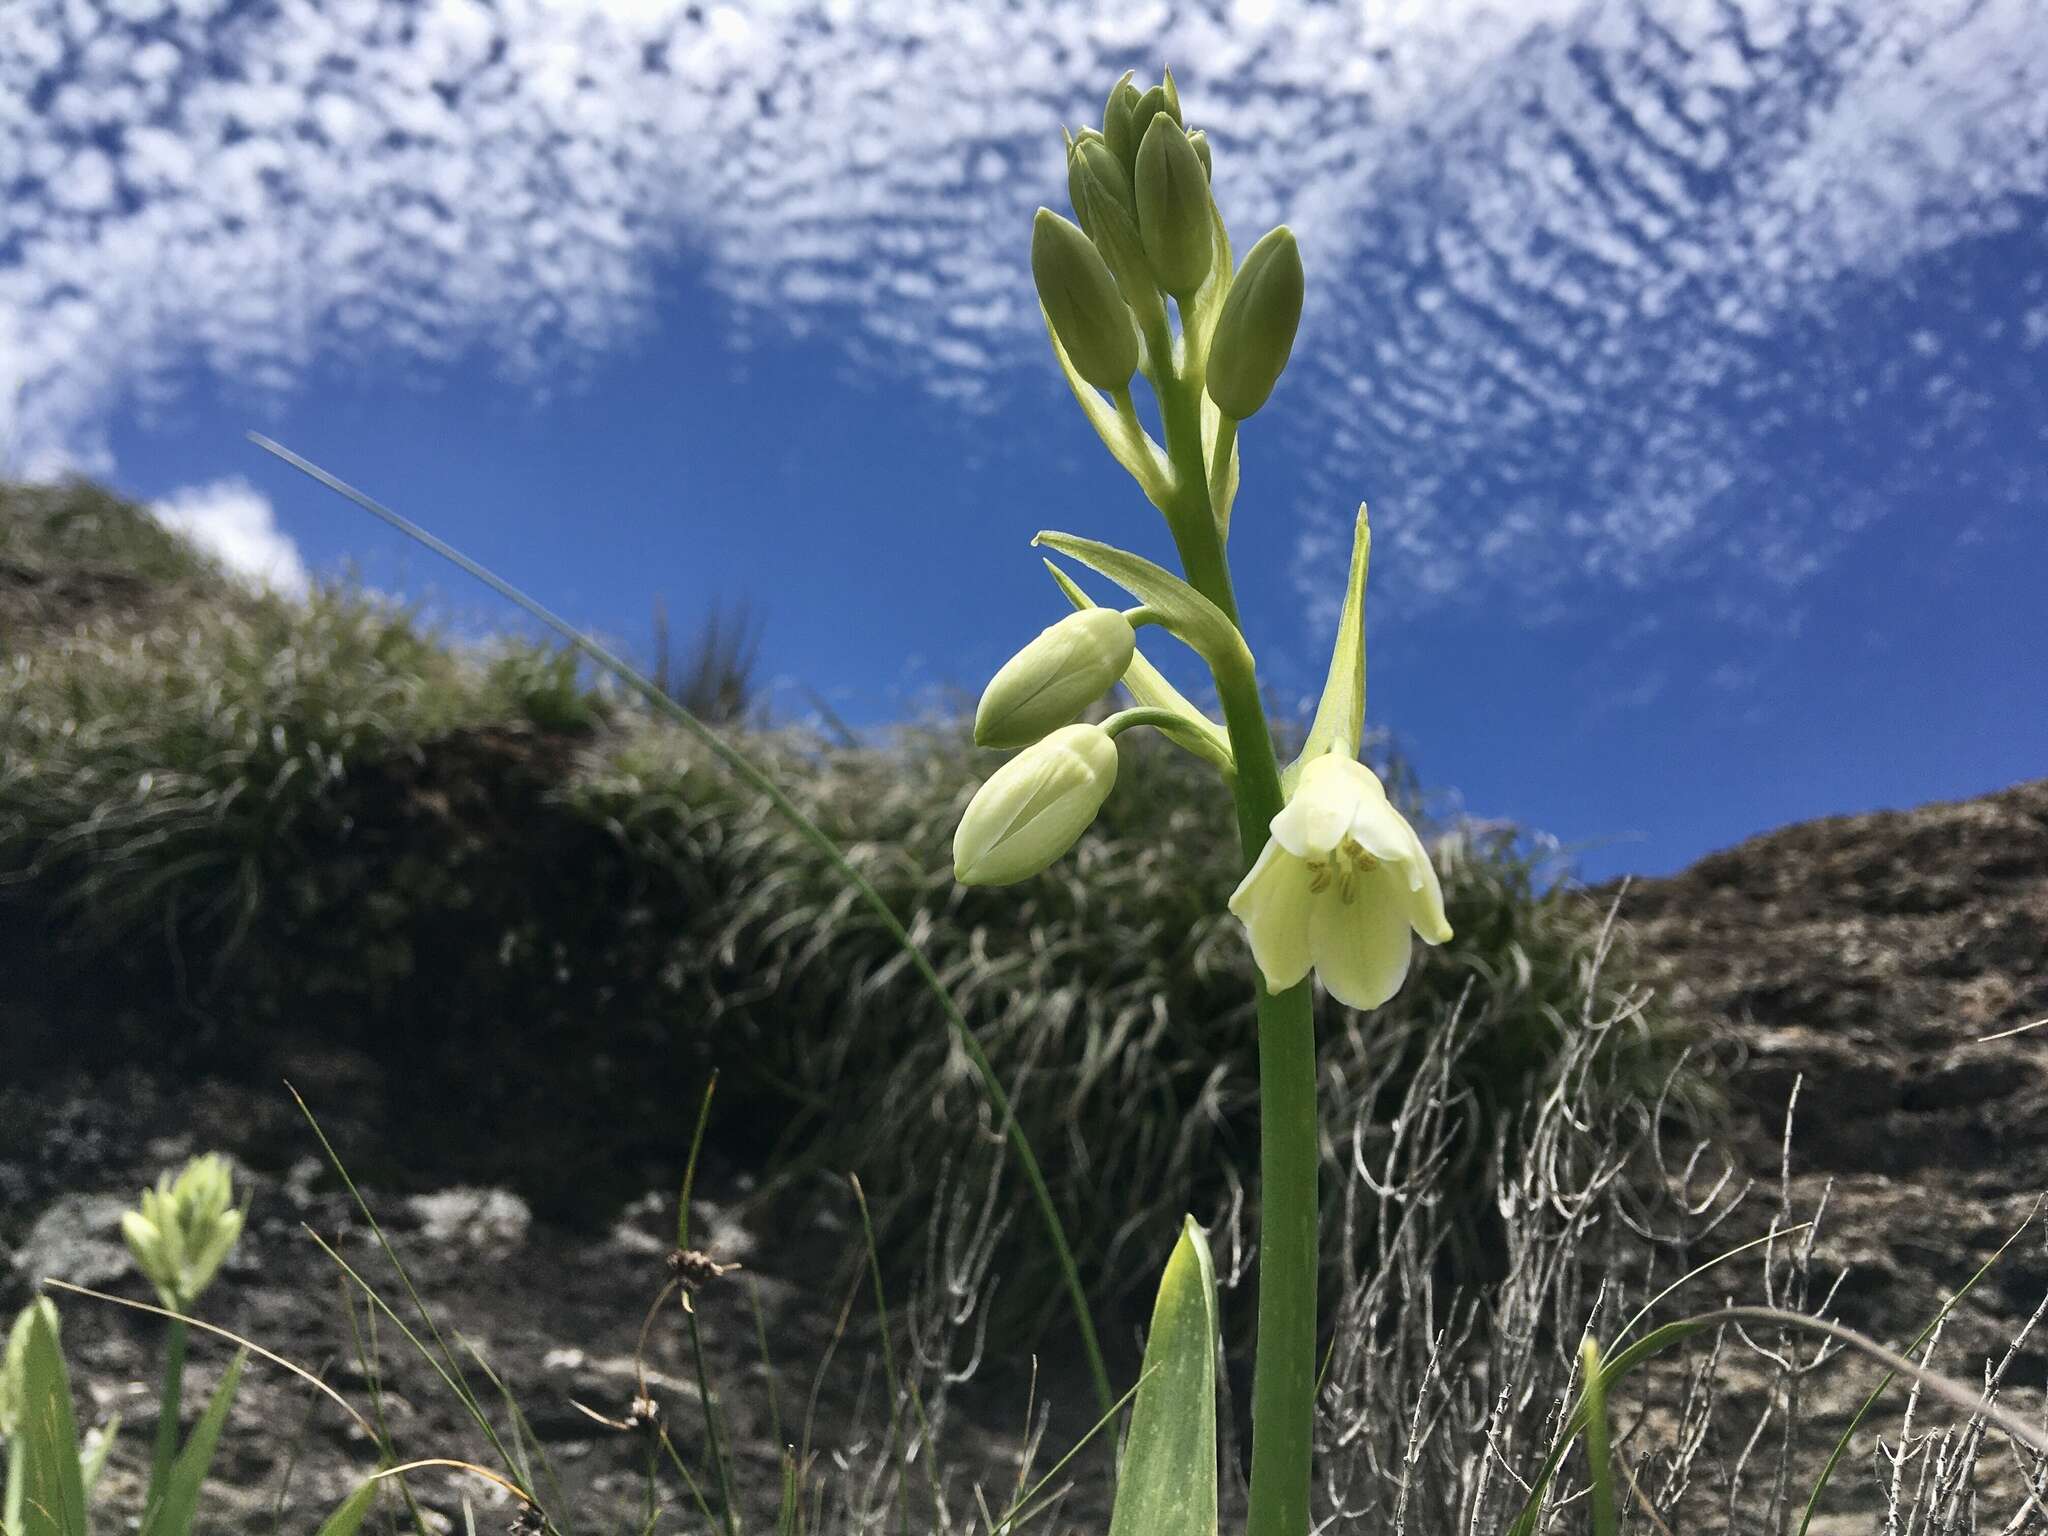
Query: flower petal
[1273, 902]
[1379, 829]
[1425, 895]
[1361, 946]
[1326, 801]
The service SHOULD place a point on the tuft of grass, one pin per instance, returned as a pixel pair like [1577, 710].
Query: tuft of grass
[67, 535]
[1111, 993]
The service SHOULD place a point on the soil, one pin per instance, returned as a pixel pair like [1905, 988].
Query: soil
[1859, 962]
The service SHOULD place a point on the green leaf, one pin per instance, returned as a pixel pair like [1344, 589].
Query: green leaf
[1185, 613]
[92, 1463]
[1128, 442]
[1199, 319]
[348, 1517]
[1340, 717]
[1200, 735]
[1167, 1485]
[1655, 1342]
[53, 1493]
[1223, 492]
[175, 1511]
[1599, 1455]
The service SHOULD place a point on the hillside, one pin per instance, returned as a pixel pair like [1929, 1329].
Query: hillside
[498, 927]
[1863, 959]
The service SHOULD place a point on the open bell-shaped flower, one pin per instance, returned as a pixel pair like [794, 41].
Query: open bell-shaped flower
[1338, 888]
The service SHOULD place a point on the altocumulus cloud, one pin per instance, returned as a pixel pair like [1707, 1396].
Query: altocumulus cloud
[1549, 232]
[232, 521]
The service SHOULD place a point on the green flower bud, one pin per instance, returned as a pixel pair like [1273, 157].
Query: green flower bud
[1092, 175]
[1108, 211]
[1255, 332]
[1172, 94]
[1035, 807]
[1173, 207]
[1044, 686]
[1081, 301]
[1118, 131]
[1199, 142]
[1150, 105]
[184, 1229]
[14, 1364]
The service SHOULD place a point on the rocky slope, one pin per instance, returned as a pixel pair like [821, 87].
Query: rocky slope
[1862, 959]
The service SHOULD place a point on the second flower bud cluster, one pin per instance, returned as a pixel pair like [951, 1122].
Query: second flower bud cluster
[1034, 807]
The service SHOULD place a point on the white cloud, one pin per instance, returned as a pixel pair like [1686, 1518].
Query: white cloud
[233, 521]
[1552, 242]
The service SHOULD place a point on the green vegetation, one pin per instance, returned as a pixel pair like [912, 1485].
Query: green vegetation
[235, 821]
[323, 820]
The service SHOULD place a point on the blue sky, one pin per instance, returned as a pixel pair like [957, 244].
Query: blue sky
[1693, 357]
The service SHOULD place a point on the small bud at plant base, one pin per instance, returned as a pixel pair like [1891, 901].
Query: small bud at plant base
[1173, 207]
[1035, 807]
[1199, 142]
[1255, 332]
[1044, 686]
[184, 1229]
[1081, 300]
[1117, 128]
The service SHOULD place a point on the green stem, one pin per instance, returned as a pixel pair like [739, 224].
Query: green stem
[169, 1406]
[1159, 719]
[1284, 1370]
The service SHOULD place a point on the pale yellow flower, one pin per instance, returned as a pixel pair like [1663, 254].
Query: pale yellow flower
[1338, 887]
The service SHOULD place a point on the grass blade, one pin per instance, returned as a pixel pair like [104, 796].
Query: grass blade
[1599, 1454]
[744, 768]
[178, 1507]
[1842, 1445]
[348, 1517]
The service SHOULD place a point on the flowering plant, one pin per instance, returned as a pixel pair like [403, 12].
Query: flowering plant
[1336, 879]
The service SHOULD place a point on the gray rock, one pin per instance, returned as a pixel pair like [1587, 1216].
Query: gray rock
[491, 1223]
[78, 1238]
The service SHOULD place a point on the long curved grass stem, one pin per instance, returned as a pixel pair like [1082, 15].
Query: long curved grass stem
[745, 769]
